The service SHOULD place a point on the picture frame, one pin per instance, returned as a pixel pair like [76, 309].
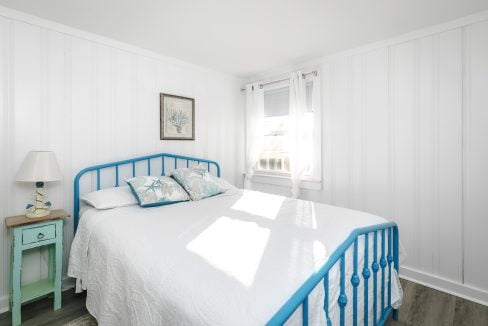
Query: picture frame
[177, 117]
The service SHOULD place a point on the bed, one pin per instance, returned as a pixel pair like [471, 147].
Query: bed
[239, 258]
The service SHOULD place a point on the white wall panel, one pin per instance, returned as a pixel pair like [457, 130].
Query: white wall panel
[476, 156]
[93, 103]
[339, 119]
[375, 133]
[104, 103]
[147, 107]
[426, 148]
[404, 132]
[123, 105]
[449, 164]
[4, 144]
[355, 128]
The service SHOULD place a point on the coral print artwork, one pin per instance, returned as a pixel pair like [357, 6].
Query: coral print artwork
[177, 117]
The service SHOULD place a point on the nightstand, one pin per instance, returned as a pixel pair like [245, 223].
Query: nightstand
[31, 233]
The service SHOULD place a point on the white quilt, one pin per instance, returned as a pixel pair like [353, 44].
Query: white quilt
[233, 259]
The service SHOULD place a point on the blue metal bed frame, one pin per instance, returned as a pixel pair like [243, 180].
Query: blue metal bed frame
[300, 297]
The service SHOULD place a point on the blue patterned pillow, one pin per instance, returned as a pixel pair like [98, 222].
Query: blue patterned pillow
[156, 191]
[197, 182]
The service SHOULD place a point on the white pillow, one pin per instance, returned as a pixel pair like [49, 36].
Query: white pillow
[110, 198]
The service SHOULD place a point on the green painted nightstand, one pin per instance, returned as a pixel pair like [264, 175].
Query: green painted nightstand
[31, 233]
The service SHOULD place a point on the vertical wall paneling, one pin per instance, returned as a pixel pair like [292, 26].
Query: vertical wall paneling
[82, 109]
[68, 174]
[450, 155]
[327, 162]
[390, 132]
[476, 156]
[426, 145]
[375, 133]
[91, 102]
[339, 129]
[4, 144]
[404, 129]
[123, 131]
[103, 105]
[145, 109]
[356, 127]
[350, 130]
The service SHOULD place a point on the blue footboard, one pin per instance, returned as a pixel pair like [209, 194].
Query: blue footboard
[388, 254]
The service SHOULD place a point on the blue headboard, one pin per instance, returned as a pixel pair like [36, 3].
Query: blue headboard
[162, 157]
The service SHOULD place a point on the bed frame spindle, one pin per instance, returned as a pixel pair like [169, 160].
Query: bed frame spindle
[355, 283]
[375, 268]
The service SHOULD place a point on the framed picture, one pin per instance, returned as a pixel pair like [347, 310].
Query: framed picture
[177, 117]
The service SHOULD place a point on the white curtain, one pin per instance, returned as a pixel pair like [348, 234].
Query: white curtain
[316, 167]
[254, 129]
[299, 139]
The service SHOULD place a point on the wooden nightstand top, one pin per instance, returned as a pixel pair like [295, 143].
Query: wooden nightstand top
[19, 220]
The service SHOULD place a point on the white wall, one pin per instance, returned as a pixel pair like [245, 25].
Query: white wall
[405, 136]
[93, 100]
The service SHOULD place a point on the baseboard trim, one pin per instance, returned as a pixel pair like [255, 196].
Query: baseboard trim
[438, 283]
[68, 283]
[3, 304]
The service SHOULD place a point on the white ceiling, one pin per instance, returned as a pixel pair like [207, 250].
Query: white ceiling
[245, 37]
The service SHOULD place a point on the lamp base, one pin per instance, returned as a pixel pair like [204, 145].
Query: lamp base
[39, 209]
[40, 212]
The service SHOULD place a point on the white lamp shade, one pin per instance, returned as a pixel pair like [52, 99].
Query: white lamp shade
[39, 166]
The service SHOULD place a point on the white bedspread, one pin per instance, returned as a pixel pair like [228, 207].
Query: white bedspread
[233, 259]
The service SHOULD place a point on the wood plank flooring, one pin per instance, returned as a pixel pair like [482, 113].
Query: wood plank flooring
[41, 312]
[422, 306]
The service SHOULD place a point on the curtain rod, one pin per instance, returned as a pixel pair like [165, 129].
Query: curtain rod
[284, 79]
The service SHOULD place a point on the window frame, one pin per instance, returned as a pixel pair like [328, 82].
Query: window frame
[313, 180]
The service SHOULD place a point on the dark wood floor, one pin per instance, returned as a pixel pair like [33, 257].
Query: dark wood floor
[41, 312]
[422, 306]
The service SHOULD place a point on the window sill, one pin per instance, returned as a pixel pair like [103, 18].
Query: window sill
[283, 180]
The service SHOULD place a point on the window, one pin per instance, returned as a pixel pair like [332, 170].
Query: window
[274, 158]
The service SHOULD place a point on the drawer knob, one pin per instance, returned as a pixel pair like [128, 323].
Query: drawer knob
[40, 236]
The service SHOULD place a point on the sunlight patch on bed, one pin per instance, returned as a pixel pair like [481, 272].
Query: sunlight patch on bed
[232, 246]
[254, 203]
[313, 217]
[319, 254]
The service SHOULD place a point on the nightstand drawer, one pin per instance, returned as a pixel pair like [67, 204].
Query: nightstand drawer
[37, 234]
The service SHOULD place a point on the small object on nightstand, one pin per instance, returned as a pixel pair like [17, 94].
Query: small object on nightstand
[39, 167]
[31, 233]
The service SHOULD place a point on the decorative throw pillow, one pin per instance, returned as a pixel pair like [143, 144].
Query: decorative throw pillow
[224, 184]
[156, 191]
[198, 182]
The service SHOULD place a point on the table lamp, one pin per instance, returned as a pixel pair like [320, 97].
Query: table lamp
[39, 167]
